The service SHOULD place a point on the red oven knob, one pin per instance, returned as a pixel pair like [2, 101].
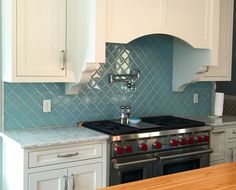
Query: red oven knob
[128, 149]
[191, 140]
[206, 138]
[157, 145]
[119, 150]
[183, 141]
[143, 147]
[174, 142]
[199, 139]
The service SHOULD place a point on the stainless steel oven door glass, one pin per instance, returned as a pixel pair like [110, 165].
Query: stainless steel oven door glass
[132, 168]
[174, 161]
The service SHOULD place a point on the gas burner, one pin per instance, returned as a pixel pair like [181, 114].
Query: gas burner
[172, 122]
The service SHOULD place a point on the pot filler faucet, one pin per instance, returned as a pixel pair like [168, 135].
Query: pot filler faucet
[124, 114]
[129, 79]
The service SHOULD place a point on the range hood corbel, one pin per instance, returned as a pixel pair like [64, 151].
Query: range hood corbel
[85, 76]
[189, 64]
[86, 40]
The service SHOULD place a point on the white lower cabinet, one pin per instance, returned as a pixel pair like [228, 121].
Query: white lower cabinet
[78, 166]
[87, 177]
[48, 180]
[231, 152]
[218, 144]
[231, 148]
[223, 143]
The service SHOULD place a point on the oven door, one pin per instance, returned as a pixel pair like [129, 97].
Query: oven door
[132, 168]
[174, 161]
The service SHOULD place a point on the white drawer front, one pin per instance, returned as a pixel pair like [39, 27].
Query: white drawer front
[65, 154]
[231, 133]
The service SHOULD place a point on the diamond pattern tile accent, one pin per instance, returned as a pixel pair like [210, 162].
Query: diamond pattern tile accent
[152, 55]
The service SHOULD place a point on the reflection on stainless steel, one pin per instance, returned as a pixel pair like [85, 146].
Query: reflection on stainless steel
[131, 163]
[159, 133]
[124, 114]
[163, 157]
[129, 79]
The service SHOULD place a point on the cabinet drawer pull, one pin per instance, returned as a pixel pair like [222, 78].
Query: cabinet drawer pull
[73, 183]
[66, 181]
[217, 132]
[63, 60]
[234, 132]
[233, 149]
[67, 155]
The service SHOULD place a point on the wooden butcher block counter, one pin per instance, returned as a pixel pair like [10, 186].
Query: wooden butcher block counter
[219, 177]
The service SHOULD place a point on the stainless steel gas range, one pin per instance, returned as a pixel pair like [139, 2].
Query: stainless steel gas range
[155, 146]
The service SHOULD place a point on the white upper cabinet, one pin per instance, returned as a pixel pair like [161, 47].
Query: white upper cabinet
[34, 41]
[190, 20]
[41, 37]
[214, 64]
[53, 40]
[65, 40]
[224, 52]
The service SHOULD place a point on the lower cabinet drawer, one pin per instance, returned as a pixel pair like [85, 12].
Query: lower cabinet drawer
[231, 133]
[65, 154]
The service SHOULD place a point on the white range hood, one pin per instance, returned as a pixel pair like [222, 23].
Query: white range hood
[194, 23]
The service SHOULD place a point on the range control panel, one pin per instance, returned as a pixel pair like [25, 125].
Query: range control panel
[154, 144]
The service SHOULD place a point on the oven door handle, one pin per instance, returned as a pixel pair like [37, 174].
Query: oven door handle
[163, 158]
[121, 165]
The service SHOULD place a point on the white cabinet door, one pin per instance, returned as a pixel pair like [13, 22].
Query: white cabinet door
[222, 72]
[48, 180]
[86, 177]
[218, 144]
[190, 20]
[41, 37]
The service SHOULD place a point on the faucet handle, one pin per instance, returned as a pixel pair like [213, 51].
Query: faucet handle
[128, 108]
[122, 107]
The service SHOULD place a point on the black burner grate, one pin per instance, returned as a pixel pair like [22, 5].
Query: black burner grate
[162, 123]
[109, 127]
[169, 121]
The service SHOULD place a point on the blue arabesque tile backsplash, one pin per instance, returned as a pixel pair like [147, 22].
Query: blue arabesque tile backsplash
[152, 55]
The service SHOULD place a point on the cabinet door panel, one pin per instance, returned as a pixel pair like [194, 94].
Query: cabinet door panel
[189, 19]
[49, 180]
[130, 19]
[87, 177]
[41, 37]
[222, 72]
[218, 143]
